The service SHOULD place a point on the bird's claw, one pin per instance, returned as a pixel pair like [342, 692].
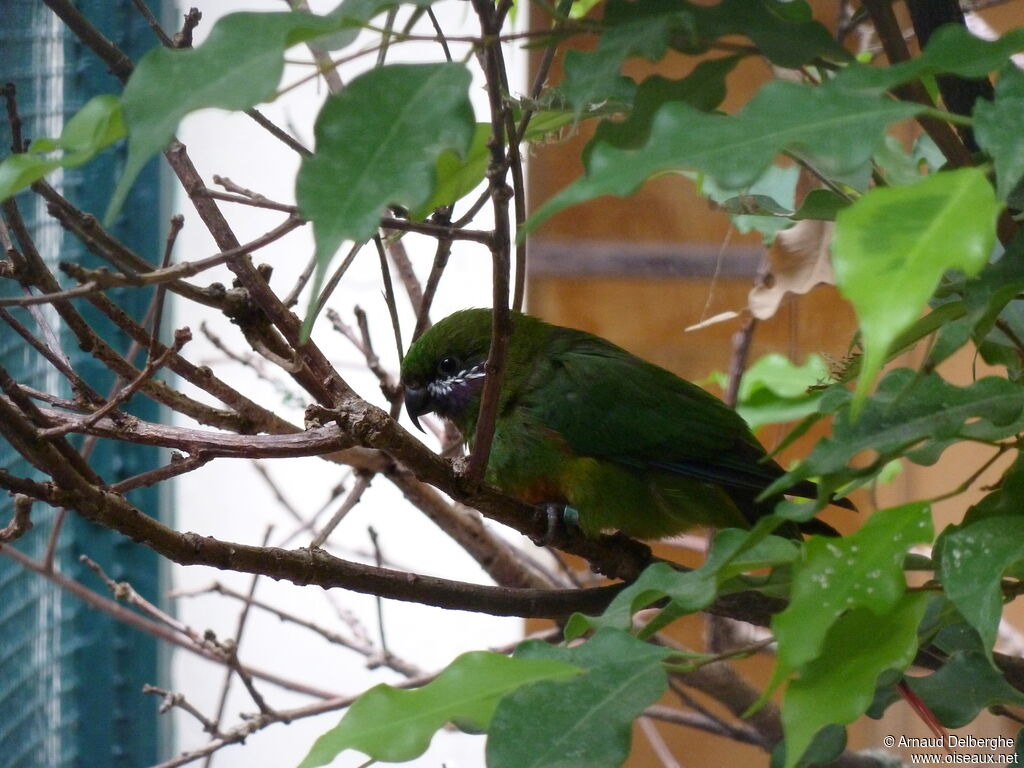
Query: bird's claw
[562, 522]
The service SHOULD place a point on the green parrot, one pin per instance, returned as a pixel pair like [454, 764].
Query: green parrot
[584, 423]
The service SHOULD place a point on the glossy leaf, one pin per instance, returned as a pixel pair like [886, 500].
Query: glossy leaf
[786, 33]
[763, 206]
[977, 685]
[823, 204]
[587, 721]
[96, 126]
[457, 176]
[703, 89]
[238, 66]
[839, 685]
[377, 143]
[395, 725]
[974, 556]
[893, 245]
[862, 570]
[952, 49]
[984, 299]
[908, 411]
[996, 127]
[836, 130]
[733, 551]
[775, 390]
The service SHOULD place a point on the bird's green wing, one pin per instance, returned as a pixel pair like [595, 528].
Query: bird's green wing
[606, 403]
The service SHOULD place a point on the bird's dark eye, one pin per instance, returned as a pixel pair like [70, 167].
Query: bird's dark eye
[448, 366]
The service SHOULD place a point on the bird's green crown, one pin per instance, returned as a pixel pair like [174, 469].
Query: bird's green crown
[443, 370]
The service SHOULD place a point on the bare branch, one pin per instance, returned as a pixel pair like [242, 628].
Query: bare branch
[21, 520]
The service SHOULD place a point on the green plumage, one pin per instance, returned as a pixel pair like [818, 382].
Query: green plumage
[581, 421]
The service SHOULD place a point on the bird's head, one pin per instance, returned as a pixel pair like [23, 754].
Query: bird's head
[443, 371]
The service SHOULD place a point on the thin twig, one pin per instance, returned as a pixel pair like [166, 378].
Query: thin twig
[389, 296]
[441, 254]
[359, 643]
[378, 559]
[233, 664]
[178, 700]
[177, 222]
[158, 30]
[363, 480]
[181, 337]
[156, 629]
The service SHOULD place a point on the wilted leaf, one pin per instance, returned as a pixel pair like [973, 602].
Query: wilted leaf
[797, 262]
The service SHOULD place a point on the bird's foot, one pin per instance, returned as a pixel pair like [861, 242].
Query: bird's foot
[562, 522]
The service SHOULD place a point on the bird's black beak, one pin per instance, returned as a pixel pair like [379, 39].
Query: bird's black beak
[417, 403]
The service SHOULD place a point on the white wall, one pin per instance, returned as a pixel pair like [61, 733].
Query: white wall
[228, 499]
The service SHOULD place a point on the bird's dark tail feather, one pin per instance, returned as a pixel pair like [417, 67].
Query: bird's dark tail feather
[808, 490]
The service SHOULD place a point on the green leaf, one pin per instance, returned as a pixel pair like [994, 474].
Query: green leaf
[764, 205]
[703, 89]
[582, 722]
[828, 744]
[973, 557]
[962, 687]
[839, 685]
[733, 551]
[892, 246]
[908, 411]
[353, 16]
[895, 166]
[862, 570]
[952, 49]
[238, 66]
[774, 390]
[629, 29]
[821, 204]
[457, 177]
[995, 124]
[377, 143]
[984, 299]
[836, 130]
[396, 725]
[97, 125]
[657, 582]
[784, 32]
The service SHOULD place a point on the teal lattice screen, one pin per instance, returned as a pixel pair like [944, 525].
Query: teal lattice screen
[70, 676]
